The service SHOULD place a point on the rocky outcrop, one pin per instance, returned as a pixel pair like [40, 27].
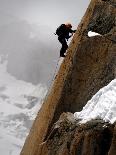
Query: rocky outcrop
[69, 138]
[89, 65]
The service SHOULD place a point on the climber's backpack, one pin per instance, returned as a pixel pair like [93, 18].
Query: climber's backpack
[60, 29]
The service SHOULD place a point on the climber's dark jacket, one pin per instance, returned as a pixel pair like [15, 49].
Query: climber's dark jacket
[63, 36]
[65, 32]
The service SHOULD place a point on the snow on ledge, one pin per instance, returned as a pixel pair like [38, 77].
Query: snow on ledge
[91, 34]
[101, 106]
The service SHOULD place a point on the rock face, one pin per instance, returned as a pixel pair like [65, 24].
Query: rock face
[89, 65]
[68, 138]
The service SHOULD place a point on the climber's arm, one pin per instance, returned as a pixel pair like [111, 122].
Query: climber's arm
[72, 31]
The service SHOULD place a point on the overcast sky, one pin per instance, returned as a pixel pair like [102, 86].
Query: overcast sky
[48, 12]
[27, 34]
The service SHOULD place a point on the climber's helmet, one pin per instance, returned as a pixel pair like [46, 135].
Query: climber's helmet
[68, 25]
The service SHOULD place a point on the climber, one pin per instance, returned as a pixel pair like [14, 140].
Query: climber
[64, 32]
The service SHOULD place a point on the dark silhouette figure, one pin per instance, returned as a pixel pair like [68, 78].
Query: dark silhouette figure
[64, 32]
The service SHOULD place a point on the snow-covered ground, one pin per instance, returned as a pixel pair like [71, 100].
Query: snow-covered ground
[19, 104]
[101, 106]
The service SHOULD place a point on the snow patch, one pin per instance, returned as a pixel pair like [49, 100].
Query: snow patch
[101, 106]
[91, 34]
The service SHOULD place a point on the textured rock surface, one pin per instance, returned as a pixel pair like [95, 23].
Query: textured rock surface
[69, 138]
[89, 65]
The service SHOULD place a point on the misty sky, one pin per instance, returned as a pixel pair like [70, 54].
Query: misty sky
[27, 35]
[48, 12]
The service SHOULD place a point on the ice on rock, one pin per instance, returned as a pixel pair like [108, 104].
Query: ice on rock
[101, 106]
[91, 34]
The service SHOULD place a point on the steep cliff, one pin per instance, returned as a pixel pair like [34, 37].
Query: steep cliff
[89, 65]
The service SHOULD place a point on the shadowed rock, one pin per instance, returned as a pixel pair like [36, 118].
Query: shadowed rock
[69, 138]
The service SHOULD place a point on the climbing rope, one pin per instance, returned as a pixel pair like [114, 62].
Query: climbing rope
[53, 78]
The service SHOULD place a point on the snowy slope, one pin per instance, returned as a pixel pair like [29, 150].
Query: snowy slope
[19, 103]
[101, 106]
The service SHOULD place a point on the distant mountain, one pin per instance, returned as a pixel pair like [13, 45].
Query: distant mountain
[19, 104]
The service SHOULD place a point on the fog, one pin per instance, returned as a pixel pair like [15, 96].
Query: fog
[27, 35]
[31, 51]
